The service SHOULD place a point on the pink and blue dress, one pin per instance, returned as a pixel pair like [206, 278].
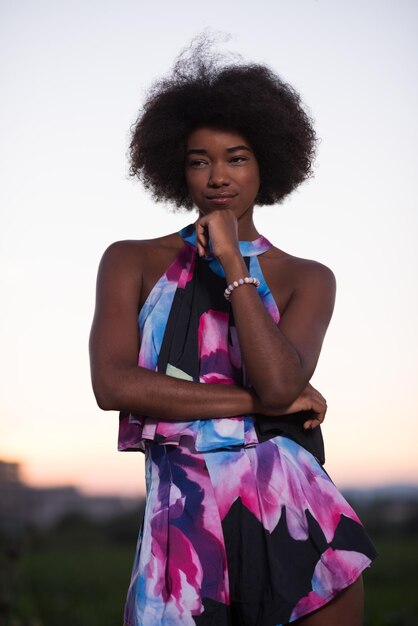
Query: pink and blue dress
[242, 524]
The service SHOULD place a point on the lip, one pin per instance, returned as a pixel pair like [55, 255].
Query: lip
[220, 199]
[221, 194]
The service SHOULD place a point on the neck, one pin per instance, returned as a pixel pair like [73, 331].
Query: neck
[247, 230]
[246, 227]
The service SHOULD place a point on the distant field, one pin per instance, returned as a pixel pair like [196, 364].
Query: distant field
[73, 587]
[79, 577]
[392, 583]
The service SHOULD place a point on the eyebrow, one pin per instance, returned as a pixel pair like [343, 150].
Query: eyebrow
[233, 149]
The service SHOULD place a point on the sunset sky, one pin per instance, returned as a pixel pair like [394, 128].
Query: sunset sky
[73, 76]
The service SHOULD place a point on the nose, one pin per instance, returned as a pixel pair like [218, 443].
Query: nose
[218, 175]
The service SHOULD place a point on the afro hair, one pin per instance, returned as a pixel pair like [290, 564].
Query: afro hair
[246, 98]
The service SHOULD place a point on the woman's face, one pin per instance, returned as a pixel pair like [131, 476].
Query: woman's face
[221, 171]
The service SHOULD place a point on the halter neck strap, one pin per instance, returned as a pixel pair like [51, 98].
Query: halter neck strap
[247, 248]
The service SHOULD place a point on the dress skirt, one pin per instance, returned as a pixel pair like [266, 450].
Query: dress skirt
[251, 535]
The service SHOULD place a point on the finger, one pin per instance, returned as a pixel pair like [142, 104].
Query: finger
[201, 226]
[202, 241]
[316, 393]
[314, 422]
[201, 246]
[320, 417]
[319, 404]
[320, 409]
[318, 396]
[320, 414]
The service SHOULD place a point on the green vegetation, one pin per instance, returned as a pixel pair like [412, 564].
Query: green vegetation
[78, 574]
[392, 581]
[80, 587]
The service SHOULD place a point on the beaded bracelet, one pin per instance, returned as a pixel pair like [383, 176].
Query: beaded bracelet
[248, 280]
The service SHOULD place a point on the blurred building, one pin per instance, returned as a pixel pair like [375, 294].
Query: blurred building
[22, 506]
[13, 501]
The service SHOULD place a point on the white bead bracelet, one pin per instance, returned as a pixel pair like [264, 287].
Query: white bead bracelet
[248, 280]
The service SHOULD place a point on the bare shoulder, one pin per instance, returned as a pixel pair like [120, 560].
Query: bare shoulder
[135, 255]
[308, 270]
[301, 269]
[289, 276]
[137, 248]
[134, 266]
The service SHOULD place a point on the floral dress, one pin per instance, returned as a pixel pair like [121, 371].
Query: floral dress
[242, 524]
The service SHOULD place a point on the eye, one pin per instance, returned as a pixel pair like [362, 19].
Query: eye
[196, 163]
[238, 159]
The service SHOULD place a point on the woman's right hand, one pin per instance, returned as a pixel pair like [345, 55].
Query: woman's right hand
[309, 400]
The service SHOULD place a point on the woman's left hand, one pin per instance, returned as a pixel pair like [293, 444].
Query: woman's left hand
[311, 401]
[220, 228]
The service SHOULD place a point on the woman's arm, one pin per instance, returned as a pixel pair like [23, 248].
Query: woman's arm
[280, 360]
[118, 383]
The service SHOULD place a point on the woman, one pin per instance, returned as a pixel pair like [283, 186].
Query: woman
[242, 524]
